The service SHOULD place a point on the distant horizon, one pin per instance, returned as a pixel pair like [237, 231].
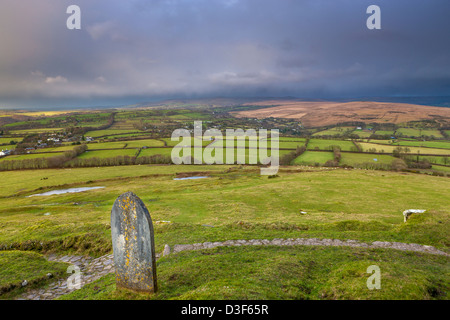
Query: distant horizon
[435, 101]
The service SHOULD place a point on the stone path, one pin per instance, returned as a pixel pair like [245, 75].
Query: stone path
[308, 242]
[93, 269]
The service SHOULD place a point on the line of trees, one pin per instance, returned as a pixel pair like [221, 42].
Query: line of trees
[336, 158]
[291, 156]
[43, 163]
[70, 160]
[406, 159]
[119, 161]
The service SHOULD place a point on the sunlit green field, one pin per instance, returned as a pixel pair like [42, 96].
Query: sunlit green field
[384, 132]
[327, 144]
[8, 140]
[107, 153]
[430, 144]
[362, 134]
[334, 131]
[374, 199]
[413, 132]
[313, 157]
[360, 158]
[99, 133]
[31, 156]
[390, 149]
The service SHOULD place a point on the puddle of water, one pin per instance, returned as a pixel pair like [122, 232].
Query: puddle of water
[62, 191]
[191, 178]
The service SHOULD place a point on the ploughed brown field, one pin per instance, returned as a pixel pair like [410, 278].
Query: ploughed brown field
[318, 114]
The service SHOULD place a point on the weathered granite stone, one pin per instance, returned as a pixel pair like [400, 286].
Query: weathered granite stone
[133, 244]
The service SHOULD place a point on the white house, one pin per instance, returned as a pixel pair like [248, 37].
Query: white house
[5, 153]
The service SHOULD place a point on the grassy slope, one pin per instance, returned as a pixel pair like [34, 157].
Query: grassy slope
[357, 204]
[18, 266]
[287, 273]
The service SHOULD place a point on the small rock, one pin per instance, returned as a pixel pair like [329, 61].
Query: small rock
[49, 275]
[24, 283]
[166, 250]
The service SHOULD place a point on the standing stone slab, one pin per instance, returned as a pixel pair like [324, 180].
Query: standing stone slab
[133, 244]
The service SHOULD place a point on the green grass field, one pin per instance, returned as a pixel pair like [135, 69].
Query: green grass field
[429, 144]
[239, 204]
[20, 265]
[433, 159]
[441, 168]
[107, 132]
[31, 156]
[179, 141]
[353, 159]
[246, 156]
[144, 143]
[153, 151]
[239, 196]
[384, 132]
[8, 147]
[56, 149]
[313, 157]
[107, 145]
[7, 140]
[107, 153]
[291, 139]
[37, 130]
[390, 148]
[289, 144]
[413, 132]
[327, 144]
[334, 131]
[362, 134]
[286, 273]
[128, 136]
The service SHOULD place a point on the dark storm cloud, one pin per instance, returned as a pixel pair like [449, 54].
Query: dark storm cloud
[139, 50]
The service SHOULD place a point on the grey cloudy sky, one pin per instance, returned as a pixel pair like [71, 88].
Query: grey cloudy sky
[134, 51]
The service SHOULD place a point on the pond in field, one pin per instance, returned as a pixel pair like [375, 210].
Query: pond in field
[191, 178]
[62, 191]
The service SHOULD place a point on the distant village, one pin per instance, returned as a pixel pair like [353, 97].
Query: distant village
[44, 140]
